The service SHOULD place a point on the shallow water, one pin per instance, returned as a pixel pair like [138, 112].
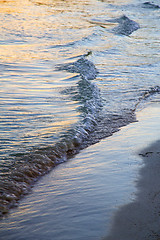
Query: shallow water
[43, 105]
[80, 197]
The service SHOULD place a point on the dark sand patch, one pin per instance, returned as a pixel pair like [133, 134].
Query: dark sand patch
[140, 219]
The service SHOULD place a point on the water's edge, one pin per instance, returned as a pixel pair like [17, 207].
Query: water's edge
[95, 126]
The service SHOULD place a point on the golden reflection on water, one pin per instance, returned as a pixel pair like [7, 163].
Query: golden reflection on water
[29, 29]
[20, 52]
[16, 27]
[15, 6]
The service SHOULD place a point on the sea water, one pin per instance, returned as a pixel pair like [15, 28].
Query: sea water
[79, 198]
[71, 73]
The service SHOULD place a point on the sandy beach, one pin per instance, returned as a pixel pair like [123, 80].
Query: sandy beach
[111, 191]
[140, 219]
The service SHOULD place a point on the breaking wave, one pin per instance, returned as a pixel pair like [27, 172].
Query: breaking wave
[125, 26]
[94, 125]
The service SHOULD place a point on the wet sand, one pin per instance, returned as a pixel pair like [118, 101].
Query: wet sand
[140, 219]
[110, 190]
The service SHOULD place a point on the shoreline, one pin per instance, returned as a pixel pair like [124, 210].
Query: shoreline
[140, 219]
[83, 197]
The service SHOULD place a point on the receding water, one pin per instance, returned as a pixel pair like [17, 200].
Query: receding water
[78, 199]
[71, 73]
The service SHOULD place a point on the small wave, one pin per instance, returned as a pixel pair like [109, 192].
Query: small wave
[93, 126]
[150, 5]
[84, 67]
[147, 94]
[28, 167]
[126, 26]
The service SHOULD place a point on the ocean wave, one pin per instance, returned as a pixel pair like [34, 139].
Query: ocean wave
[150, 5]
[94, 125]
[125, 26]
[84, 67]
